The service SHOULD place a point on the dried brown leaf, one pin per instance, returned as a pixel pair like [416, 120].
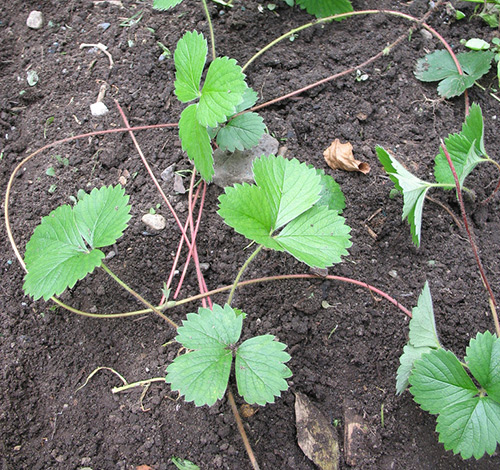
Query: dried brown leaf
[340, 157]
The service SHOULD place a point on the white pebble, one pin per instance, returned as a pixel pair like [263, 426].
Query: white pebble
[154, 221]
[99, 109]
[35, 20]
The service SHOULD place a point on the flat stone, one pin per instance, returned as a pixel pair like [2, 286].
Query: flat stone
[154, 221]
[35, 20]
[168, 173]
[236, 167]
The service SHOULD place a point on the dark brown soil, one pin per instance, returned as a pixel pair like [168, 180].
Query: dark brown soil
[47, 353]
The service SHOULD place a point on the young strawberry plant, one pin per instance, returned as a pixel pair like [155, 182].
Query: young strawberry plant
[466, 150]
[468, 415]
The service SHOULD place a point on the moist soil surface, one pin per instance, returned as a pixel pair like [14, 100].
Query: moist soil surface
[345, 343]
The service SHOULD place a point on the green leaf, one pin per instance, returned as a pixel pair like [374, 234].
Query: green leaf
[290, 186]
[165, 4]
[407, 360]
[330, 195]
[470, 427]
[222, 91]
[422, 325]
[57, 257]
[318, 237]
[189, 57]
[439, 380]
[465, 149]
[102, 215]
[439, 66]
[260, 370]
[246, 209]
[324, 8]
[196, 142]
[201, 376]
[214, 328]
[412, 188]
[483, 359]
[242, 132]
[249, 99]
[285, 194]
[184, 464]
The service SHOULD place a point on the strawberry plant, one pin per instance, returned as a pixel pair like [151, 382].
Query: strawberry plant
[468, 415]
[466, 150]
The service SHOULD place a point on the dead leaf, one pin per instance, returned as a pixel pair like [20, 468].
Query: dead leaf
[144, 467]
[315, 435]
[247, 410]
[340, 157]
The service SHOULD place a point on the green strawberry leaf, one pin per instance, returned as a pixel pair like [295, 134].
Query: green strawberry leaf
[165, 4]
[290, 186]
[470, 427]
[465, 149]
[242, 132]
[57, 256]
[189, 58]
[422, 325]
[202, 375]
[260, 370]
[324, 8]
[423, 338]
[412, 188]
[249, 99]
[483, 359]
[285, 194]
[439, 66]
[214, 328]
[407, 361]
[222, 91]
[246, 209]
[439, 380]
[196, 142]
[317, 237]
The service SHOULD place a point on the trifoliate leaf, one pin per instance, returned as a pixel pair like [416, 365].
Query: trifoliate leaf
[290, 186]
[483, 359]
[438, 380]
[422, 325]
[246, 209]
[470, 427]
[222, 91]
[286, 192]
[202, 375]
[412, 188]
[57, 257]
[189, 57]
[439, 66]
[165, 4]
[407, 360]
[260, 370]
[465, 150]
[330, 195]
[242, 132]
[196, 142]
[318, 237]
[324, 8]
[214, 328]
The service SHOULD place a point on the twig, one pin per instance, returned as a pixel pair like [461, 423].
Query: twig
[102, 48]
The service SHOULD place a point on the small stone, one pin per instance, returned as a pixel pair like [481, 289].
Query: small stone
[35, 20]
[179, 184]
[168, 173]
[98, 109]
[204, 266]
[154, 221]
[426, 34]
[104, 26]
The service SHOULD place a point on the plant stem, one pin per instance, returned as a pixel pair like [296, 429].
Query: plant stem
[137, 296]
[210, 27]
[240, 273]
[140, 383]
[491, 297]
[241, 429]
